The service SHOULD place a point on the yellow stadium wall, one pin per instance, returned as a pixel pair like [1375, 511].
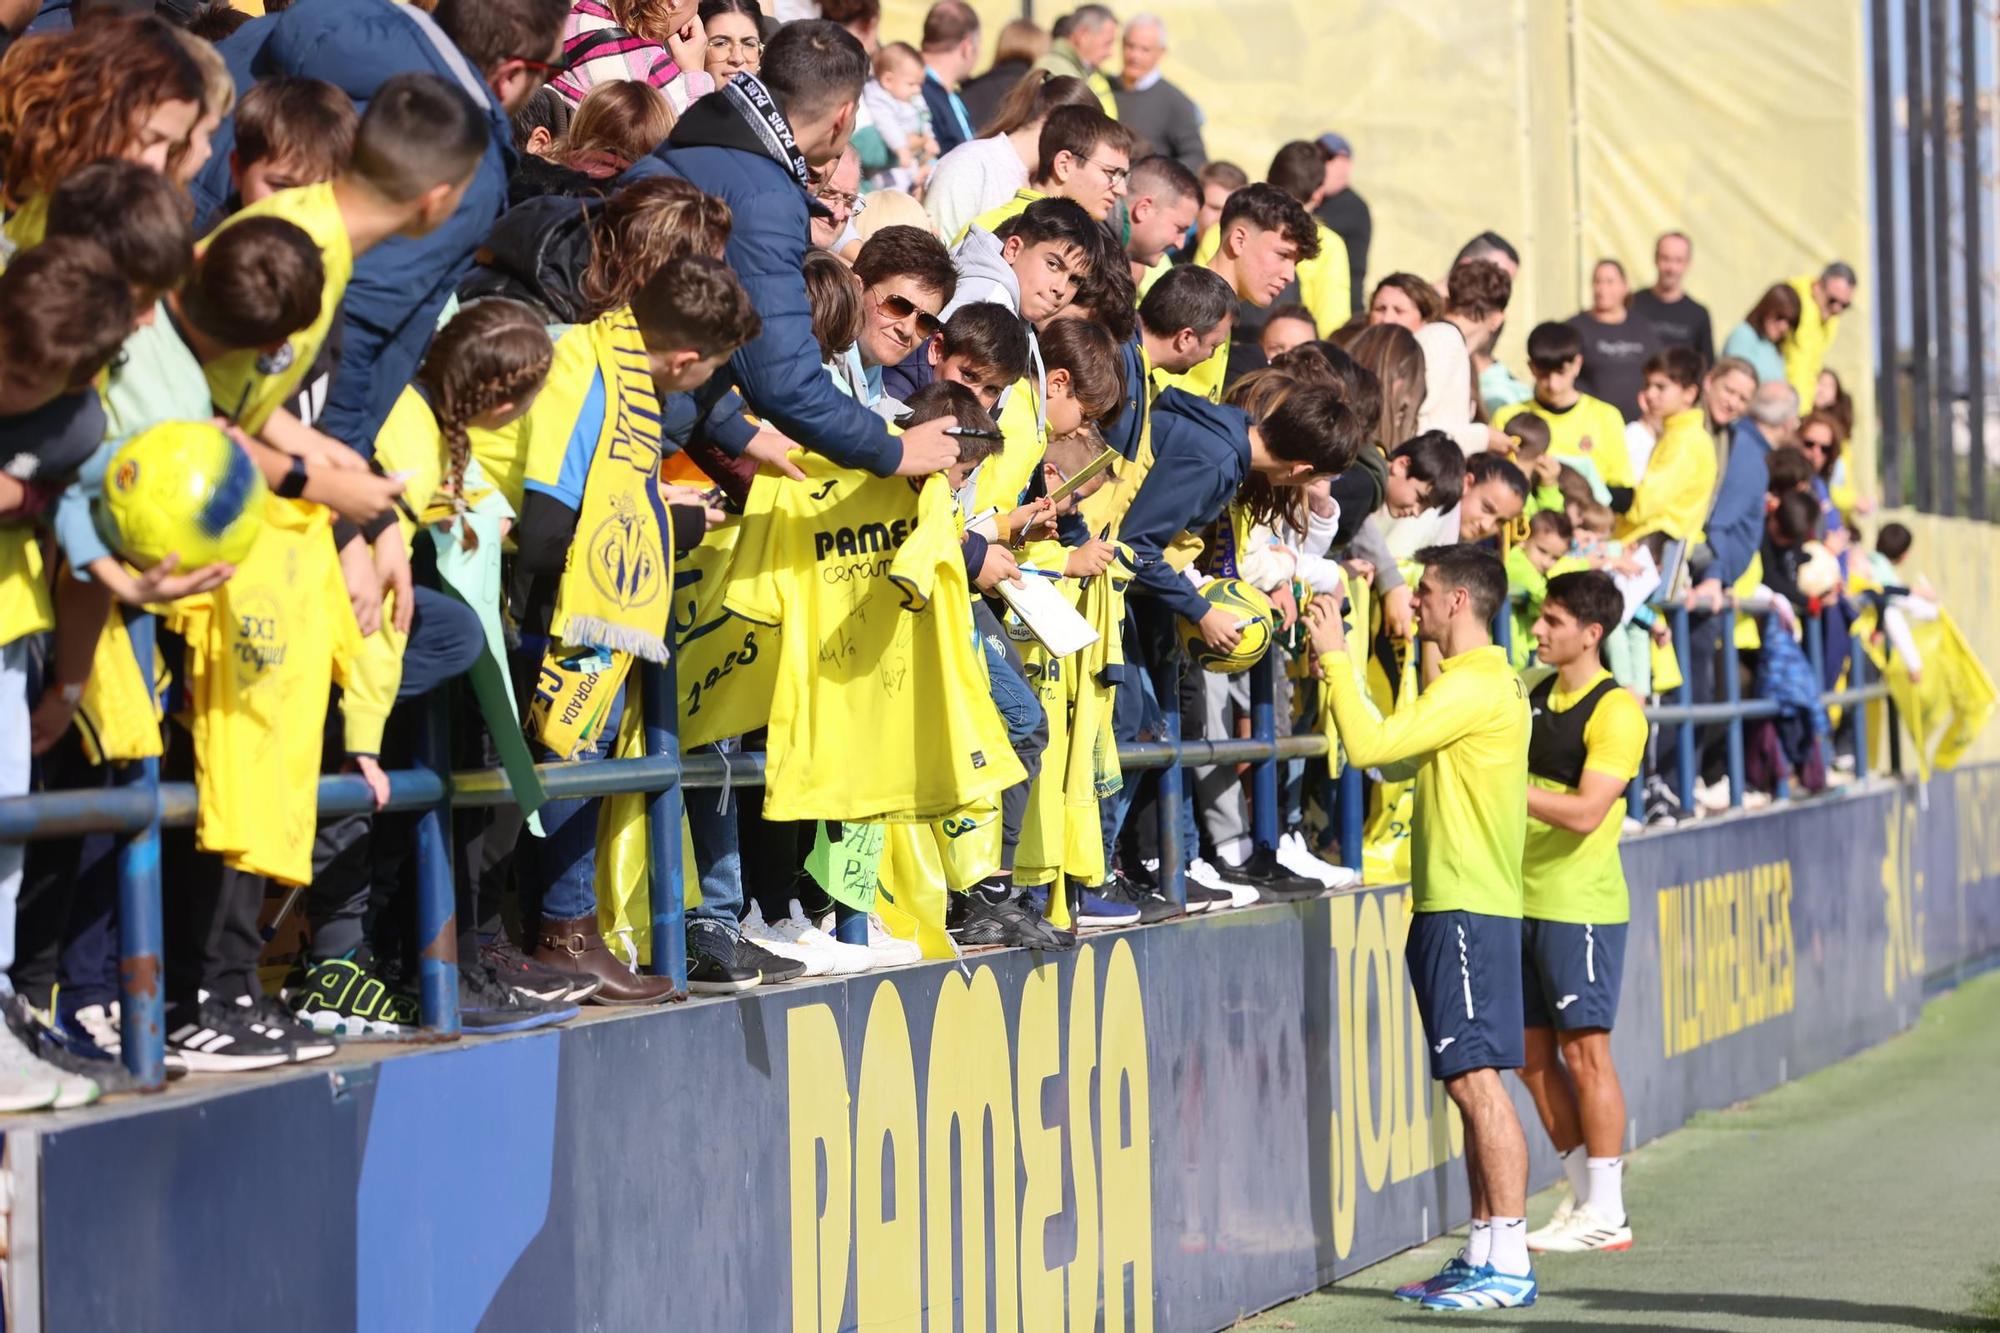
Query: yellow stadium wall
[1575, 128]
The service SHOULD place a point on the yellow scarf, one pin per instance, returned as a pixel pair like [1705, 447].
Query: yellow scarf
[615, 590]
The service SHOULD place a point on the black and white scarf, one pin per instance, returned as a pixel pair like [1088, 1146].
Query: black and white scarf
[750, 99]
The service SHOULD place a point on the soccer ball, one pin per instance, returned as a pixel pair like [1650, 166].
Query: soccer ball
[182, 488]
[1246, 604]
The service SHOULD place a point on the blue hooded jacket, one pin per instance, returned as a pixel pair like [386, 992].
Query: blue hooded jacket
[1736, 520]
[1201, 456]
[778, 372]
[400, 287]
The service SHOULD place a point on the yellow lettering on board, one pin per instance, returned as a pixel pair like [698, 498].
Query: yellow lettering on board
[1371, 958]
[1040, 1057]
[1407, 1127]
[888, 1216]
[816, 1074]
[1126, 1117]
[969, 1088]
[1726, 955]
[1081, 1274]
[1340, 1146]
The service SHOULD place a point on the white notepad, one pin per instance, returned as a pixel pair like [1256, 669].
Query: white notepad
[1047, 614]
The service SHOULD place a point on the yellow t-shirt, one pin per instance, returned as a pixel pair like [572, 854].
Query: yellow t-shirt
[534, 444]
[1326, 282]
[1469, 733]
[1003, 477]
[1806, 346]
[25, 605]
[882, 711]
[1578, 877]
[1673, 496]
[1588, 428]
[993, 218]
[248, 385]
[1203, 381]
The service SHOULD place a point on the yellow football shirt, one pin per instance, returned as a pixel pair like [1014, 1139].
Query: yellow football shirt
[25, 605]
[1469, 731]
[1326, 283]
[993, 218]
[249, 385]
[1588, 428]
[1674, 494]
[1579, 877]
[882, 711]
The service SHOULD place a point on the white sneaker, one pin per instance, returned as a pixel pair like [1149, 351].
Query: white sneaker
[843, 960]
[1539, 1238]
[100, 1023]
[1295, 856]
[888, 950]
[26, 1084]
[772, 940]
[1202, 873]
[1587, 1229]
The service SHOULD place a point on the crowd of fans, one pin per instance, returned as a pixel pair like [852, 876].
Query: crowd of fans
[569, 335]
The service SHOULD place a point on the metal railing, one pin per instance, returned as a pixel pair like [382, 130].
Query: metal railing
[140, 805]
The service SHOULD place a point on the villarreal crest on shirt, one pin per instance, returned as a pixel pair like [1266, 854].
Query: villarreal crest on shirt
[882, 711]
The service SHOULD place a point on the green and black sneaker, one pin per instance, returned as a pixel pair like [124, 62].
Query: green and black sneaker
[345, 998]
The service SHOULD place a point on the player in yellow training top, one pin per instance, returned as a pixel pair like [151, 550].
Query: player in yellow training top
[1588, 737]
[1466, 736]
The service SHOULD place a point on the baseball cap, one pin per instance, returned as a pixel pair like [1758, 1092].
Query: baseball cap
[1334, 145]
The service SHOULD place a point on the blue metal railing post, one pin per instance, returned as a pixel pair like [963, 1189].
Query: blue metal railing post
[1732, 694]
[1347, 805]
[1173, 866]
[1857, 654]
[1816, 655]
[437, 908]
[850, 926]
[1264, 773]
[1683, 645]
[660, 712]
[142, 977]
[1503, 628]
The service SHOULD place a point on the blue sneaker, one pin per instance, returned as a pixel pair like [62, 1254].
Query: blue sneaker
[1088, 909]
[1455, 1271]
[1485, 1290]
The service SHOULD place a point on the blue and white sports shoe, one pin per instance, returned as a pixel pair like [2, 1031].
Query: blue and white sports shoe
[1090, 910]
[1455, 1271]
[1485, 1290]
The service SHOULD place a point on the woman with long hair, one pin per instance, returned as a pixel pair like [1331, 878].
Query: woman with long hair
[734, 31]
[1768, 324]
[986, 171]
[1405, 299]
[124, 88]
[1392, 355]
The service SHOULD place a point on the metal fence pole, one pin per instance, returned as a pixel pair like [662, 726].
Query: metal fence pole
[1972, 186]
[1264, 773]
[142, 976]
[1858, 677]
[1683, 645]
[437, 914]
[1888, 383]
[660, 715]
[1816, 655]
[1348, 810]
[1172, 794]
[1923, 426]
[1941, 210]
[1732, 694]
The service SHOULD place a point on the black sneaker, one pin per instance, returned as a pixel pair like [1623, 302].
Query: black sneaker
[771, 968]
[348, 998]
[1663, 807]
[489, 1008]
[1261, 871]
[519, 972]
[718, 963]
[68, 1049]
[272, 1013]
[1202, 898]
[221, 1038]
[1152, 904]
[1005, 923]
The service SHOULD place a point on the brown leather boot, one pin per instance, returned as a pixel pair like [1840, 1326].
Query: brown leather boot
[573, 944]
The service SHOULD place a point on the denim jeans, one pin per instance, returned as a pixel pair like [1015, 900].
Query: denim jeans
[558, 871]
[15, 762]
[1027, 725]
[718, 855]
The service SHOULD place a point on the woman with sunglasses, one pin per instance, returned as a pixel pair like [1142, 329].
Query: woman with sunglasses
[1822, 301]
[1770, 323]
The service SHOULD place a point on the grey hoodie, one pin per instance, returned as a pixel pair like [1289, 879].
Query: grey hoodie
[984, 276]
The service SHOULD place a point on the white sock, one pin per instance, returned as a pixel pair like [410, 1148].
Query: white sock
[1510, 1246]
[1478, 1244]
[1577, 1172]
[1607, 1188]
